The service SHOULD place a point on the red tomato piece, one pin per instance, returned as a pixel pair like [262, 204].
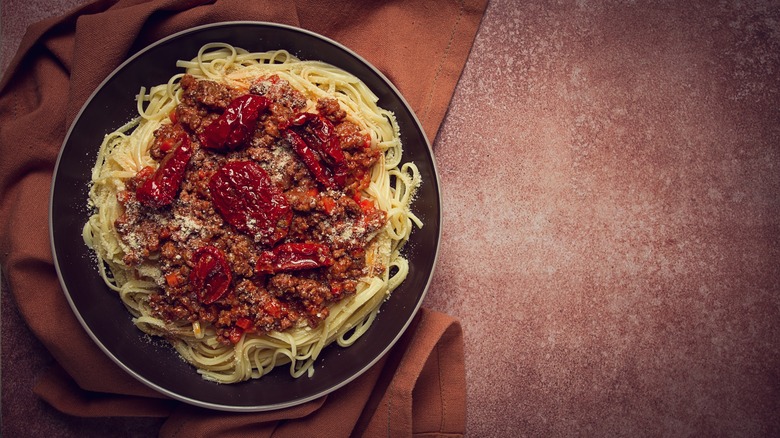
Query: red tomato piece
[311, 159]
[320, 135]
[328, 204]
[161, 189]
[294, 257]
[244, 323]
[211, 276]
[243, 194]
[273, 308]
[234, 334]
[235, 126]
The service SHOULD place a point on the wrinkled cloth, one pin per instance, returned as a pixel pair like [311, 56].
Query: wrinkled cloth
[421, 46]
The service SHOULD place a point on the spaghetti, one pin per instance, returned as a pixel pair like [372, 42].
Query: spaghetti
[254, 212]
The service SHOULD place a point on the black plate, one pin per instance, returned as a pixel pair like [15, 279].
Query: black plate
[100, 310]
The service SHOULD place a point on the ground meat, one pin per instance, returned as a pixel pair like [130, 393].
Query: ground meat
[192, 117]
[165, 139]
[202, 102]
[331, 109]
[295, 174]
[207, 93]
[302, 198]
[171, 235]
[351, 137]
[139, 228]
[279, 91]
[312, 294]
[240, 252]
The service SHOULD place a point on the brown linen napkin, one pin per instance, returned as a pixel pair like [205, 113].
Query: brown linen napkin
[420, 45]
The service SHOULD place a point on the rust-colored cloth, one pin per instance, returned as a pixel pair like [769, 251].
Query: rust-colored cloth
[419, 388]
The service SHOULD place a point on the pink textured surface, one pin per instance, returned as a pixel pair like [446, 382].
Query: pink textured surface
[610, 185]
[16, 15]
[611, 222]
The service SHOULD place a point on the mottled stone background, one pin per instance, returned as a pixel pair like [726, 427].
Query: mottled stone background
[610, 176]
[611, 198]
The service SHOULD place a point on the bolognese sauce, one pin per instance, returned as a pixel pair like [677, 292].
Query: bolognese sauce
[253, 214]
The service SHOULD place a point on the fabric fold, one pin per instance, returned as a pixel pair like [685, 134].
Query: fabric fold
[421, 46]
[57, 388]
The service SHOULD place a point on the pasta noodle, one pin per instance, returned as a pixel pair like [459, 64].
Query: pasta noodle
[126, 152]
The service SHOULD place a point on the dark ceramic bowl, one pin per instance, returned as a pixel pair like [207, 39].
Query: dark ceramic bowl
[100, 310]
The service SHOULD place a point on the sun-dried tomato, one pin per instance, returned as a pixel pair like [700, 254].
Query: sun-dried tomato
[294, 257]
[211, 276]
[161, 189]
[242, 192]
[316, 142]
[235, 126]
